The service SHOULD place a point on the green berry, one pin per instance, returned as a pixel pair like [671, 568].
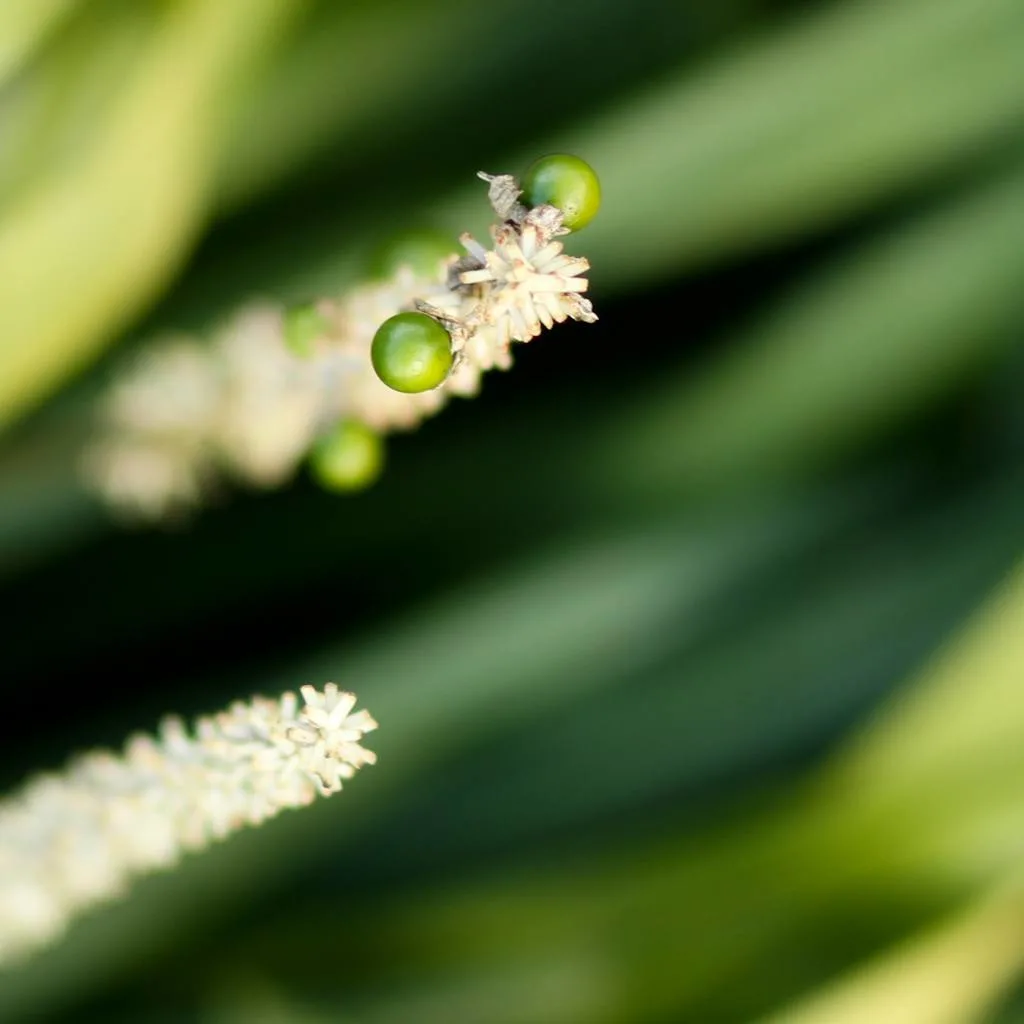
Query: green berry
[423, 251]
[411, 352]
[349, 458]
[303, 326]
[566, 182]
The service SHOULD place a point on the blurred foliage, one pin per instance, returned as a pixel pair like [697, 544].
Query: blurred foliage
[695, 641]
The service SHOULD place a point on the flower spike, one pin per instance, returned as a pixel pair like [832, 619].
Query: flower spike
[73, 840]
[275, 382]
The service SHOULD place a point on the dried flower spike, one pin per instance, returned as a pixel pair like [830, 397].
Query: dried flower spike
[273, 382]
[73, 840]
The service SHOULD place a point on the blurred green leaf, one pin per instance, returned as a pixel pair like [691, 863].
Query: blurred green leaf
[951, 975]
[25, 24]
[893, 327]
[84, 251]
[49, 116]
[826, 633]
[821, 119]
[964, 724]
[309, 97]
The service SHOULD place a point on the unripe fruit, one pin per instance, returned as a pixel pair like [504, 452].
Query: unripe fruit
[411, 352]
[303, 326]
[348, 458]
[565, 182]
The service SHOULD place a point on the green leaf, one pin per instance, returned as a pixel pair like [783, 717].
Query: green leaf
[799, 129]
[952, 974]
[87, 248]
[25, 24]
[858, 348]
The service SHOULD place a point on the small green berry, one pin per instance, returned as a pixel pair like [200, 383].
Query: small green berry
[566, 182]
[303, 326]
[411, 352]
[422, 250]
[348, 458]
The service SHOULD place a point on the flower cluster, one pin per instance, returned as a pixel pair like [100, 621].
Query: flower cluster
[249, 406]
[72, 840]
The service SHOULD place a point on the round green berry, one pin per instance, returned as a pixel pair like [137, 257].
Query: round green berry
[566, 182]
[411, 352]
[348, 458]
[303, 326]
[423, 251]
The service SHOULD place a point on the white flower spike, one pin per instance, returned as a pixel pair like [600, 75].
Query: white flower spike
[246, 406]
[73, 840]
